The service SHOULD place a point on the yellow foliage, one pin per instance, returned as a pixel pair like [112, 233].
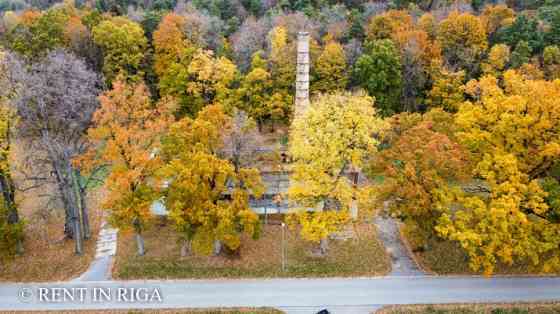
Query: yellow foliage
[498, 58]
[330, 70]
[332, 138]
[207, 198]
[512, 131]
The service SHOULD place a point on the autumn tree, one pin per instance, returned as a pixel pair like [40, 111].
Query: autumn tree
[463, 40]
[330, 70]
[421, 61]
[35, 36]
[208, 196]
[378, 71]
[255, 91]
[330, 140]
[551, 62]
[420, 161]
[447, 91]
[123, 44]
[170, 43]
[204, 80]
[511, 131]
[496, 16]
[55, 104]
[383, 26]
[498, 59]
[283, 73]
[127, 131]
[11, 225]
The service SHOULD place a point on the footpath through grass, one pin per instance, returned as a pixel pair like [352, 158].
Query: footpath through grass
[526, 308]
[362, 255]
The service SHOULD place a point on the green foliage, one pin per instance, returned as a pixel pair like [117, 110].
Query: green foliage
[524, 28]
[378, 70]
[521, 54]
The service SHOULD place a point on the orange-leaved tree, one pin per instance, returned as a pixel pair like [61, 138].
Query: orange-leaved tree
[127, 128]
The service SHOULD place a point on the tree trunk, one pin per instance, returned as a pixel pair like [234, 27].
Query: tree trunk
[324, 246]
[137, 224]
[186, 248]
[60, 183]
[140, 244]
[217, 247]
[8, 194]
[77, 232]
[81, 194]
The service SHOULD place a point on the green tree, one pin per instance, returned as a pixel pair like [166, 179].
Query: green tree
[124, 45]
[378, 70]
[523, 29]
[520, 54]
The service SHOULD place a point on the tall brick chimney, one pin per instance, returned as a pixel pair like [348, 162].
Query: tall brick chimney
[302, 73]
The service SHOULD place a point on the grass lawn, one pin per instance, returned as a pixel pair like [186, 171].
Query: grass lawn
[362, 255]
[162, 311]
[46, 258]
[522, 308]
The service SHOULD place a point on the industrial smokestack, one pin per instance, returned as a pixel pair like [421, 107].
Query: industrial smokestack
[302, 73]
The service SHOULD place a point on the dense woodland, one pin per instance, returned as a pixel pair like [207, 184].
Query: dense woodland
[449, 109]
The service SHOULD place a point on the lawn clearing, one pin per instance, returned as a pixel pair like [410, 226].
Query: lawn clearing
[361, 256]
[512, 308]
[161, 311]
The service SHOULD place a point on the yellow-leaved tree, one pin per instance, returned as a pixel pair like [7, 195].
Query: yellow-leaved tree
[512, 130]
[207, 196]
[330, 70]
[329, 143]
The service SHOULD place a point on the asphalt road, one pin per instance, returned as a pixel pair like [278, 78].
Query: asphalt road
[340, 295]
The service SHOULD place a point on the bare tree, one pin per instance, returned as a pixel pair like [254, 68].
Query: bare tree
[56, 105]
[247, 40]
[242, 141]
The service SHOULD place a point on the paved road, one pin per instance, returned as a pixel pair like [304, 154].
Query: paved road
[358, 295]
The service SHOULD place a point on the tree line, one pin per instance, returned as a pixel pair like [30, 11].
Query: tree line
[454, 106]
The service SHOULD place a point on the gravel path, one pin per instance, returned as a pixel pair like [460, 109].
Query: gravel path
[402, 263]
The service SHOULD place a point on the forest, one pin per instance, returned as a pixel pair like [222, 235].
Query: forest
[443, 114]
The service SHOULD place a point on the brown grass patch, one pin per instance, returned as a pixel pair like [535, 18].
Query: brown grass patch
[46, 258]
[360, 256]
[506, 308]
